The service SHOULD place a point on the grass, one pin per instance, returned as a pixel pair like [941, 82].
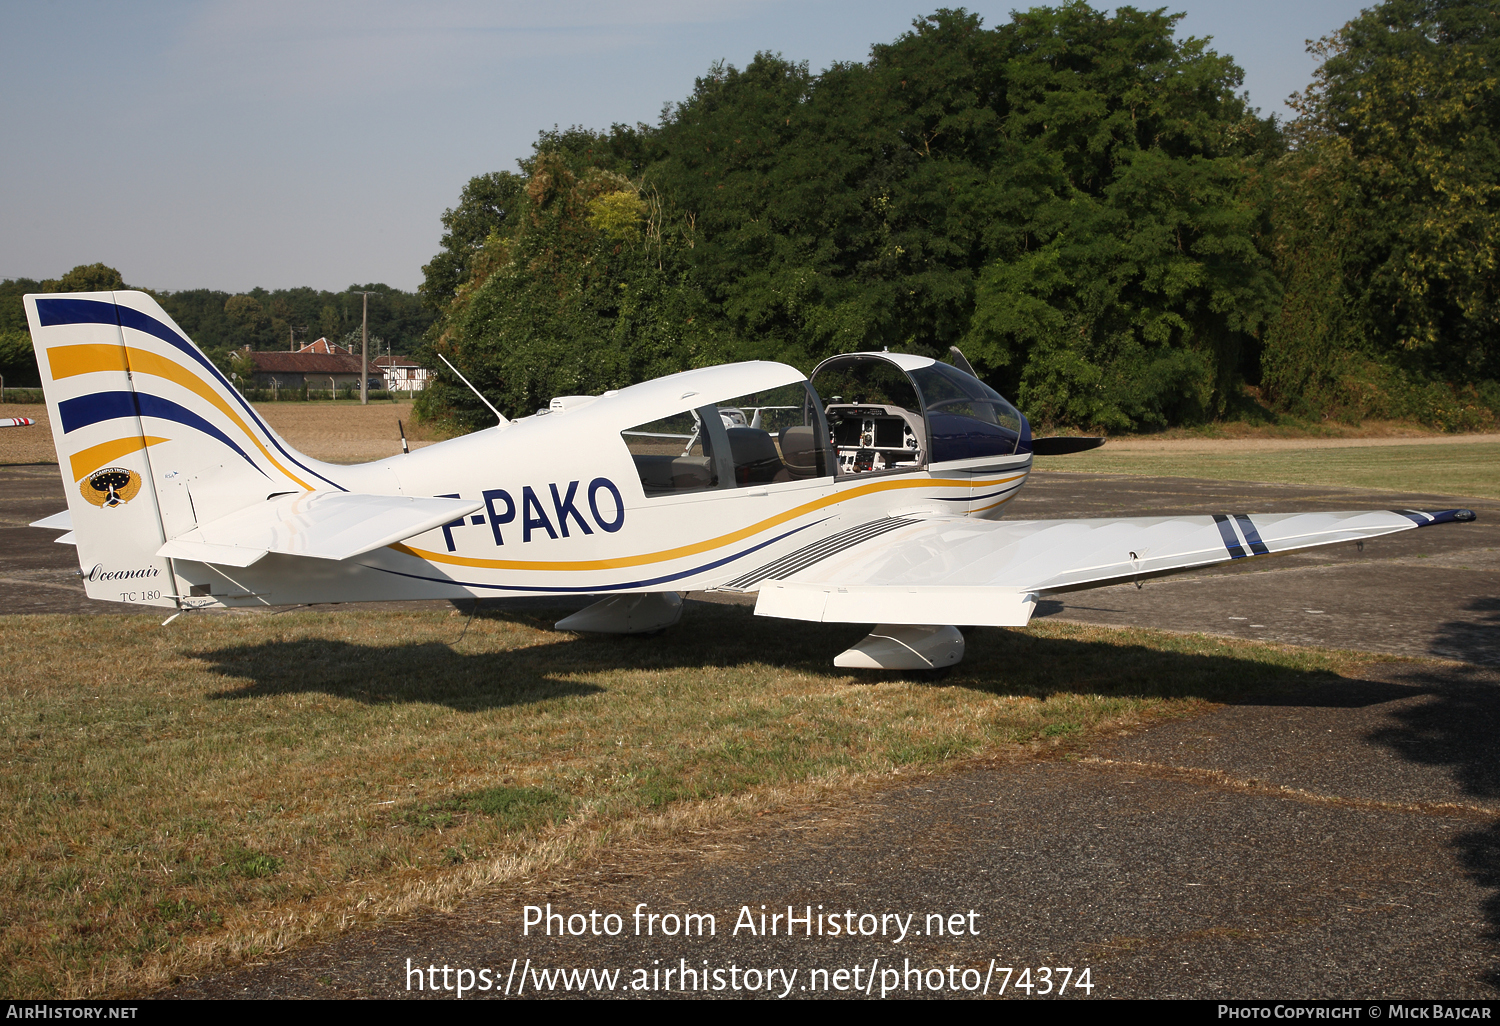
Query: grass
[1465, 470]
[187, 797]
[200, 794]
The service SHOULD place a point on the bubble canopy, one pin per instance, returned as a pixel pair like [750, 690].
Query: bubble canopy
[927, 412]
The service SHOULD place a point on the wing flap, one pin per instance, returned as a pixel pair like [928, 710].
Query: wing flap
[941, 570]
[830, 603]
[320, 525]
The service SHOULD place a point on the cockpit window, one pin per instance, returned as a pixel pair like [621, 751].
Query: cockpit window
[776, 436]
[675, 454]
[874, 414]
[965, 416]
[865, 380]
[763, 438]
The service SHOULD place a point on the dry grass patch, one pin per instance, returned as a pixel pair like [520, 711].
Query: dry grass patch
[193, 795]
[1441, 468]
[27, 444]
[344, 431]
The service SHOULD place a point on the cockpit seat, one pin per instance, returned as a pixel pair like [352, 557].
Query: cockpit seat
[800, 453]
[755, 458]
[666, 475]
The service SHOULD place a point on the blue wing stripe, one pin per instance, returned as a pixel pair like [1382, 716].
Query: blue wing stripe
[1231, 541]
[1251, 535]
[1427, 517]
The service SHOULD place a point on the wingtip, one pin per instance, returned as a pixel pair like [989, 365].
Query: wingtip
[1428, 517]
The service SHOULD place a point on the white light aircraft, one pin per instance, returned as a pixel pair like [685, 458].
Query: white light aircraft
[868, 494]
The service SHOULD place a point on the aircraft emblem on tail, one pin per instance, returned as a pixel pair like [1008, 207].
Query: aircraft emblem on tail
[112, 487]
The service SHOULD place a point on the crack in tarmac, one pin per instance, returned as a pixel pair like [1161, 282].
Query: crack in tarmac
[1448, 810]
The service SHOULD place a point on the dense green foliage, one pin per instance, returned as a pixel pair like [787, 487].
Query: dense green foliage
[483, 207]
[1082, 201]
[1072, 197]
[587, 291]
[1388, 221]
[221, 321]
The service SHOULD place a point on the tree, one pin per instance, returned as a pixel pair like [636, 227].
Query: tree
[484, 208]
[1389, 219]
[1077, 198]
[584, 295]
[87, 278]
[12, 309]
[1126, 285]
[18, 360]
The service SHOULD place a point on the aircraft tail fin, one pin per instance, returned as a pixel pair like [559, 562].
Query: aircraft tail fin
[151, 438]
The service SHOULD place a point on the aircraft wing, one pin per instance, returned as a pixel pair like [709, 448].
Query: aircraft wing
[955, 570]
[322, 525]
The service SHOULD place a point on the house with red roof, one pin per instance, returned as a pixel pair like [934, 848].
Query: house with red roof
[324, 364]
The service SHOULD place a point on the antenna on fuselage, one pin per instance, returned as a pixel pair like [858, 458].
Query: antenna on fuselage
[476, 391]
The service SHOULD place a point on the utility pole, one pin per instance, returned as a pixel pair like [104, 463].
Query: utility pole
[364, 353]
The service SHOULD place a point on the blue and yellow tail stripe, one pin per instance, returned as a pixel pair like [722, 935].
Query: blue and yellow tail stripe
[96, 407]
[69, 361]
[697, 548]
[82, 359]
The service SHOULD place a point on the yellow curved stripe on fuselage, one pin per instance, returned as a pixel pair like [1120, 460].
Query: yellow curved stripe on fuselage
[67, 361]
[704, 546]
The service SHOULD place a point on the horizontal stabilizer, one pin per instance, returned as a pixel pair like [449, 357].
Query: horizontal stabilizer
[56, 522]
[321, 525]
[944, 570]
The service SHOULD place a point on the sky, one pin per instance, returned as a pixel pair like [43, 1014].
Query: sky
[227, 145]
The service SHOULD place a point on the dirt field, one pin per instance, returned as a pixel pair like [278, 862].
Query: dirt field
[27, 444]
[339, 432]
[344, 432]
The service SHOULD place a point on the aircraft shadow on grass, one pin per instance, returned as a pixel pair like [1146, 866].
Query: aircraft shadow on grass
[469, 672]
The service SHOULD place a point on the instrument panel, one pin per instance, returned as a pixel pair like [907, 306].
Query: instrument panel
[872, 438]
